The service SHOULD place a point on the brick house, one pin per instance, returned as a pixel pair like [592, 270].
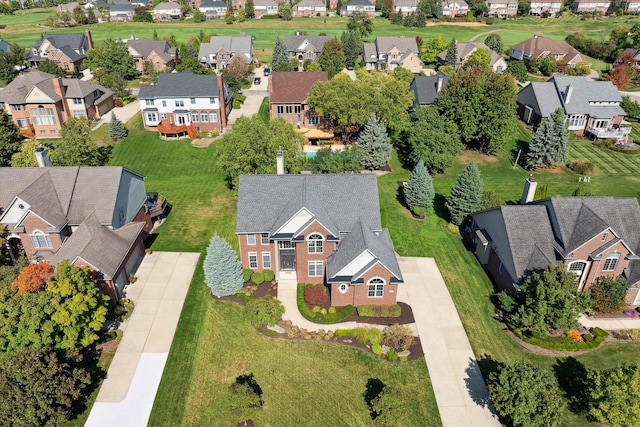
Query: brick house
[212, 8]
[496, 62]
[40, 103]
[91, 216]
[288, 92]
[158, 52]
[167, 11]
[541, 47]
[220, 50]
[502, 8]
[591, 236]
[592, 107]
[319, 229]
[185, 103]
[305, 48]
[387, 53]
[310, 8]
[68, 51]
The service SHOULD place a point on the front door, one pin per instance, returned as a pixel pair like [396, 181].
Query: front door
[287, 259]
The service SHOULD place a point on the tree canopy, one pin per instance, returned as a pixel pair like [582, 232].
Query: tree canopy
[222, 268]
[418, 191]
[494, 42]
[525, 395]
[280, 58]
[433, 47]
[466, 194]
[613, 395]
[361, 23]
[236, 73]
[483, 104]
[375, 145]
[252, 146]
[10, 139]
[343, 161]
[549, 145]
[76, 148]
[332, 58]
[452, 53]
[116, 128]
[113, 57]
[352, 47]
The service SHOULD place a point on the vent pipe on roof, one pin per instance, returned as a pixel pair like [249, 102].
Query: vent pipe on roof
[529, 190]
[280, 162]
[42, 157]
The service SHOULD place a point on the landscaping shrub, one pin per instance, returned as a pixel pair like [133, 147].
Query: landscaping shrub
[379, 310]
[506, 302]
[582, 167]
[392, 356]
[124, 309]
[398, 337]
[236, 104]
[332, 310]
[316, 295]
[323, 311]
[376, 348]
[336, 317]
[607, 295]
[605, 143]
[564, 343]
[239, 97]
[316, 309]
[362, 335]
[257, 278]
[264, 311]
[269, 275]
[246, 274]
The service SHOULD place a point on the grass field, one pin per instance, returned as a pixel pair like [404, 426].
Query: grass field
[24, 28]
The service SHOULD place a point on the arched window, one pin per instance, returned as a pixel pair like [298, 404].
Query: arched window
[40, 240]
[577, 268]
[314, 243]
[611, 262]
[375, 288]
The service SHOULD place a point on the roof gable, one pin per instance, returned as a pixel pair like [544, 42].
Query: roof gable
[292, 86]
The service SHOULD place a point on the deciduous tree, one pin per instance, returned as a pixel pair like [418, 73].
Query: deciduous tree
[246, 397]
[11, 59]
[332, 58]
[525, 395]
[236, 73]
[285, 10]
[344, 161]
[518, 70]
[140, 14]
[361, 23]
[48, 66]
[280, 58]
[26, 157]
[551, 299]
[432, 138]
[607, 294]
[76, 148]
[252, 146]
[10, 138]
[375, 145]
[613, 395]
[33, 277]
[222, 268]
[388, 407]
[113, 57]
[433, 47]
[418, 191]
[631, 107]
[466, 194]
[249, 9]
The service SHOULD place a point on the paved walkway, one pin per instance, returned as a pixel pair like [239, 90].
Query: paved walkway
[610, 324]
[123, 113]
[127, 394]
[460, 391]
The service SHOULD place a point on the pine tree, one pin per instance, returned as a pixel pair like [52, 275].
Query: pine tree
[375, 143]
[466, 194]
[452, 53]
[418, 191]
[222, 268]
[10, 138]
[116, 129]
[562, 138]
[352, 48]
[280, 59]
[541, 147]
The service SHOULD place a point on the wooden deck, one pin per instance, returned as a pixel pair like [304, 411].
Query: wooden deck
[166, 128]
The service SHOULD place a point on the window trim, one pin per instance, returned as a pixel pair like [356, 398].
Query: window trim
[263, 240]
[251, 240]
[315, 241]
[315, 265]
[253, 260]
[266, 255]
[376, 285]
[611, 262]
[37, 243]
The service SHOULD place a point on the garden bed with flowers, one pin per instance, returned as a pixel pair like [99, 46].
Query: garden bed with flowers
[579, 340]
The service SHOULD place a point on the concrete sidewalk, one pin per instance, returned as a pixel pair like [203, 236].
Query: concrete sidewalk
[127, 394]
[124, 114]
[610, 324]
[460, 391]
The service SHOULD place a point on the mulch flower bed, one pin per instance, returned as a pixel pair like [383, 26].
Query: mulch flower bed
[266, 288]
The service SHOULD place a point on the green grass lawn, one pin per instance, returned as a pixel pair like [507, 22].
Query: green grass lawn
[304, 383]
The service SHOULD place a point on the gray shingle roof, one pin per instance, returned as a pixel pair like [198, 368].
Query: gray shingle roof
[346, 198]
[240, 46]
[18, 89]
[119, 8]
[213, 3]
[361, 239]
[182, 85]
[467, 48]
[144, 48]
[370, 53]
[425, 88]
[101, 247]
[359, 3]
[4, 46]
[75, 42]
[295, 43]
[405, 45]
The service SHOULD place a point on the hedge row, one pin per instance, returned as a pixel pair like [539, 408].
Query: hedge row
[318, 317]
[379, 310]
[565, 343]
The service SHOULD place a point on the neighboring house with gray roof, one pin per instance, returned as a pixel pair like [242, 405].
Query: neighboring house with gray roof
[157, 52]
[167, 11]
[185, 103]
[40, 103]
[310, 8]
[91, 216]
[122, 12]
[4, 46]
[591, 236]
[213, 8]
[319, 229]
[264, 7]
[592, 107]
[502, 8]
[305, 48]
[364, 6]
[453, 8]
[66, 50]
[426, 88]
[387, 53]
[220, 50]
[496, 62]
[405, 7]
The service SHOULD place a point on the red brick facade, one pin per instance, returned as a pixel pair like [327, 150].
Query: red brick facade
[358, 294]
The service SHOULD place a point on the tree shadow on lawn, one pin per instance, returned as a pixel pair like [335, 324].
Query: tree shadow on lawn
[572, 379]
[439, 207]
[373, 390]
[522, 147]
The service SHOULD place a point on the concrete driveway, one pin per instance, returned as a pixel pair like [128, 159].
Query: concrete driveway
[127, 394]
[123, 113]
[460, 391]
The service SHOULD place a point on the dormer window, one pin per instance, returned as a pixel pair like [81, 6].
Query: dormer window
[611, 262]
[314, 243]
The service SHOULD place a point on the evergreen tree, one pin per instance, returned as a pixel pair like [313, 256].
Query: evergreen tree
[494, 42]
[549, 145]
[352, 48]
[280, 59]
[222, 268]
[375, 143]
[418, 191]
[91, 17]
[249, 9]
[466, 194]
[452, 53]
[10, 138]
[562, 138]
[116, 128]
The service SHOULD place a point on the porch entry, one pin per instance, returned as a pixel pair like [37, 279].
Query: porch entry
[287, 256]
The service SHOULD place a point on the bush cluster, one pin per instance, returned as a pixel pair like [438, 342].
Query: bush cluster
[582, 167]
[379, 310]
[333, 315]
[269, 275]
[591, 341]
[392, 356]
[398, 337]
[246, 274]
[316, 295]
[362, 335]
[257, 277]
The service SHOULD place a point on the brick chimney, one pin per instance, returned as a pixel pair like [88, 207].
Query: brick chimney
[223, 104]
[58, 87]
[87, 34]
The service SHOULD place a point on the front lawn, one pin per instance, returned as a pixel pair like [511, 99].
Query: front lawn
[304, 383]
